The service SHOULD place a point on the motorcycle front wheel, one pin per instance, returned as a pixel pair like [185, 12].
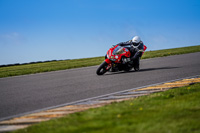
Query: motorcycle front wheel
[102, 68]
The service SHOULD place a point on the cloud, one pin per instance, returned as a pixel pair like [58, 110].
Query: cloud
[13, 38]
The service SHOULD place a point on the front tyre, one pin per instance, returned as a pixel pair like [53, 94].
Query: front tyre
[102, 68]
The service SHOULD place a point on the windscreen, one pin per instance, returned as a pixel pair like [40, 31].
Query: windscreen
[118, 50]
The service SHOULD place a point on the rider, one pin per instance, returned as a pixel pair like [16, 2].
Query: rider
[136, 48]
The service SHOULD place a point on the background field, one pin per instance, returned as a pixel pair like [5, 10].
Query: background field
[38, 67]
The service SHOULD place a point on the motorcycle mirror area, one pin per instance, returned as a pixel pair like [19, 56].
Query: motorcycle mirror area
[113, 46]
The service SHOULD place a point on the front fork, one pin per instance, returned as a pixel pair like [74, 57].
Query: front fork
[109, 64]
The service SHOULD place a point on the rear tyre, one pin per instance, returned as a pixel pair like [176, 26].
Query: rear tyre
[102, 68]
[136, 68]
[128, 68]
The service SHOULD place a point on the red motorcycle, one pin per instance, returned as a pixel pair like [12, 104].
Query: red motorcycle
[117, 59]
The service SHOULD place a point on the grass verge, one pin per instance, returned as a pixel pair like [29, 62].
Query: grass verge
[176, 110]
[68, 64]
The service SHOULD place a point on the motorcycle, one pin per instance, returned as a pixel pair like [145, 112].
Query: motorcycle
[117, 59]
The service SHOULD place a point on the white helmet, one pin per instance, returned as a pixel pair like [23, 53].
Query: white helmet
[136, 39]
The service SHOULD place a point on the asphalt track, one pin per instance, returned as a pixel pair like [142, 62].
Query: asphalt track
[27, 93]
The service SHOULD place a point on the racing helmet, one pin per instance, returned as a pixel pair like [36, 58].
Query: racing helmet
[136, 39]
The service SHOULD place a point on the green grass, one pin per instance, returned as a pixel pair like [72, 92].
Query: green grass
[168, 52]
[68, 64]
[173, 111]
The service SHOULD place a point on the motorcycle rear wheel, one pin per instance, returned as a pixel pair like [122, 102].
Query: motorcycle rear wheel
[102, 68]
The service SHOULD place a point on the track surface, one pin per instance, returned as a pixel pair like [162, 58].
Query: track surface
[27, 93]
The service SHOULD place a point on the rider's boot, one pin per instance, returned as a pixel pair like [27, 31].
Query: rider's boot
[136, 63]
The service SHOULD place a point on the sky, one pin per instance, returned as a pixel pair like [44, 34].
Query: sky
[41, 30]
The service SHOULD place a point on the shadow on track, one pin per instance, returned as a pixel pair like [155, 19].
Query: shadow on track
[141, 70]
[151, 69]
